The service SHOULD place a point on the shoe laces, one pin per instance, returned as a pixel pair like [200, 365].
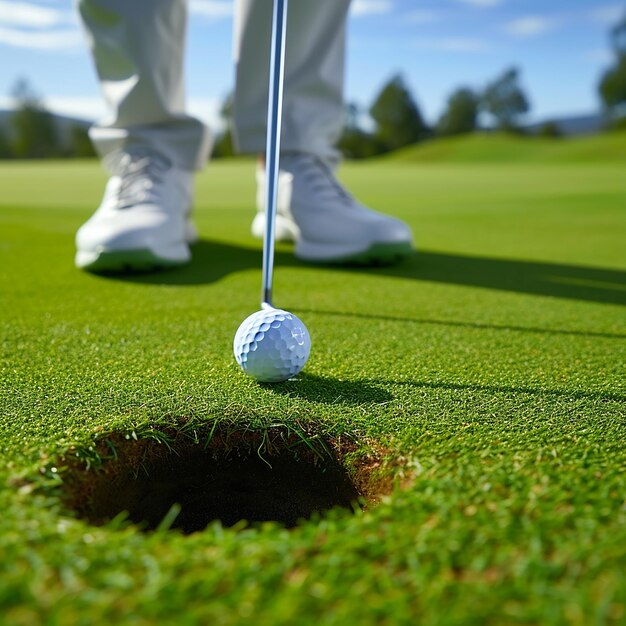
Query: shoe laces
[140, 174]
[322, 180]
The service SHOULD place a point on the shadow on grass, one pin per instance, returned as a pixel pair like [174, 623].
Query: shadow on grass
[505, 389]
[214, 260]
[455, 324]
[332, 390]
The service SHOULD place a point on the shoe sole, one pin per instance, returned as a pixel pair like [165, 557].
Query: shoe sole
[378, 254]
[124, 261]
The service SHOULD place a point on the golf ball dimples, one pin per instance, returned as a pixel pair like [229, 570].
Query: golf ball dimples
[272, 345]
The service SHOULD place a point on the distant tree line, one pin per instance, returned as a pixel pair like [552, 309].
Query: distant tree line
[32, 132]
[398, 122]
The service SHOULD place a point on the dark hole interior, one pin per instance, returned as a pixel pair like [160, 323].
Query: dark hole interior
[281, 487]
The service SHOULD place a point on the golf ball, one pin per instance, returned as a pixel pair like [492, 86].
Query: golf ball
[272, 345]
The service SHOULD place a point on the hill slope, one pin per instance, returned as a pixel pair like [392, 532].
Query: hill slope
[498, 147]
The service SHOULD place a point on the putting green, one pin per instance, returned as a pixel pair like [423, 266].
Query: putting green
[489, 368]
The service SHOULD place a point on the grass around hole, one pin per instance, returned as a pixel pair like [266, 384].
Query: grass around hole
[492, 362]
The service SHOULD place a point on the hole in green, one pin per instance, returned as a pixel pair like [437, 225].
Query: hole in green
[242, 475]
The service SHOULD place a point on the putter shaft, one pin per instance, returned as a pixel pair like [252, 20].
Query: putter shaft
[272, 151]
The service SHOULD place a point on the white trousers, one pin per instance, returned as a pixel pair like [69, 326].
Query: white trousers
[138, 50]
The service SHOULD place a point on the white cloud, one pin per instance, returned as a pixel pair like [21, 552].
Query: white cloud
[529, 26]
[31, 15]
[482, 3]
[211, 9]
[608, 14]
[29, 25]
[422, 16]
[454, 44]
[368, 7]
[41, 39]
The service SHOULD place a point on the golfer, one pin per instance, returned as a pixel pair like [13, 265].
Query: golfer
[151, 146]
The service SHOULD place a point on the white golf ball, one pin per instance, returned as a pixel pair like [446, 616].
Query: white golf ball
[272, 345]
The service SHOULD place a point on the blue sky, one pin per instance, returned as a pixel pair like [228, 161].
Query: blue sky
[560, 46]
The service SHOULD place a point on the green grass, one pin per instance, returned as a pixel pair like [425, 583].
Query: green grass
[492, 363]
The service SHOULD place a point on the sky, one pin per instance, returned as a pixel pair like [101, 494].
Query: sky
[561, 48]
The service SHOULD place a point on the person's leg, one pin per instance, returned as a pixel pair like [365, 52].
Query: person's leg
[138, 51]
[148, 143]
[313, 112]
[326, 223]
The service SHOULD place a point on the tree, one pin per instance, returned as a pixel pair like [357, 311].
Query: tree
[352, 112]
[224, 144]
[79, 142]
[505, 100]
[618, 37]
[612, 86]
[5, 146]
[398, 120]
[356, 143]
[549, 130]
[461, 113]
[34, 131]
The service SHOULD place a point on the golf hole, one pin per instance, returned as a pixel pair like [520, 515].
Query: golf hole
[232, 476]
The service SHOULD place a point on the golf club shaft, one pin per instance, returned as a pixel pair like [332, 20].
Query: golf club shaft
[272, 151]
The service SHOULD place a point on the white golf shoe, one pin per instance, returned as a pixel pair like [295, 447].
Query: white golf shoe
[326, 223]
[143, 221]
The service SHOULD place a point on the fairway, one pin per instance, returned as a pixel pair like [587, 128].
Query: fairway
[485, 375]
